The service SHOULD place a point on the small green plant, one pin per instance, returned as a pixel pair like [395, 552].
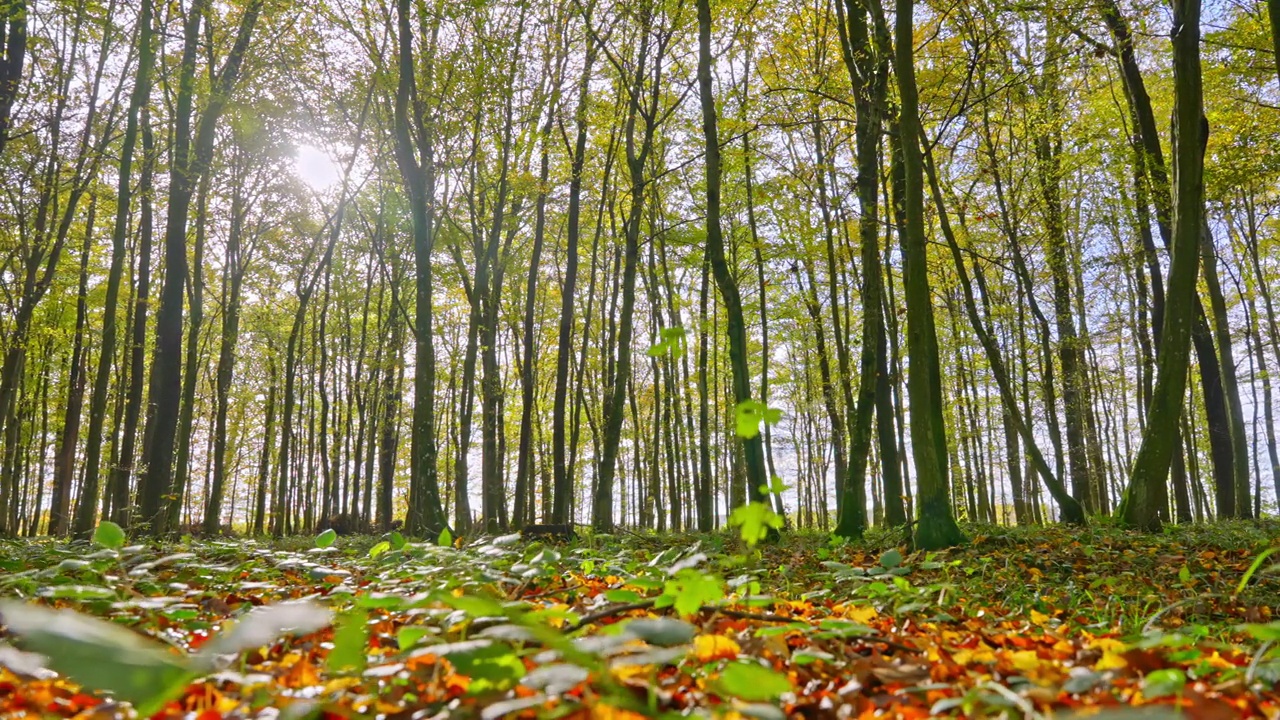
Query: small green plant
[109, 535]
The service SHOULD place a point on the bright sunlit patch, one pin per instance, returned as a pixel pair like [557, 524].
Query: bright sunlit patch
[315, 168]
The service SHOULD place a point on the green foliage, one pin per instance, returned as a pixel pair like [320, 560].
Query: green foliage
[1164, 682]
[748, 415]
[101, 655]
[350, 636]
[109, 535]
[105, 656]
[753, 682]
[613, 616]
[1257, 563]
[326, 538]
[689, 590]
[754, 521]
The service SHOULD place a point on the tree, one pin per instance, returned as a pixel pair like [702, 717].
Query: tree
[937, 528]
[13, 42]
[1141, 504]
[753, 447]
[191, 158]
[415, 156]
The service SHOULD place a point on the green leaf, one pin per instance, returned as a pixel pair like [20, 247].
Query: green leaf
[474, 605]
[409, 635]
[691, 589]
[747, 415]
[397, 540]
[109, 535]
[1162, 683]
[101, 655]
[326, 538]
[350, 635]
[378, 549]
[673, 342]
[621, 595]
[445, 539]
[754, 520]
[1269, 632]
[772, 416]
[491, 667]
[891, 559]
[658, 349]
[1253, 568]
[753, 682]
[1184, 574]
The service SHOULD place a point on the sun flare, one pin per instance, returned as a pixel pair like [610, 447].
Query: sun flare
[315, 167]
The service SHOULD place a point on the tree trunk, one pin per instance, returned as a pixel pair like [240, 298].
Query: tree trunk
[191, 158]
[753, 447]
[1142, 501]
[417, 169]
[937, 527]
[64, 464]
[86, 510]
[637, 157]
[1070, 352]
[13, 23]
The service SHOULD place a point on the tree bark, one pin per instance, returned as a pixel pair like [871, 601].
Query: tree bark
[937, 527]
[1142, 501]
[417, 169]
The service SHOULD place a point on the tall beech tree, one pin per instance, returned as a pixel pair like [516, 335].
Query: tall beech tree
[937, 526]
[192, 154]
[1142, 499]
[415, 156]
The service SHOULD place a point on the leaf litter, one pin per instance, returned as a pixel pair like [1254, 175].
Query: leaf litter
[1040, 622]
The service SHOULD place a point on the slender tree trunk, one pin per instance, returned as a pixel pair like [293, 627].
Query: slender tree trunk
[1263, 289]
[563, 483]
[123, 470]
[1151, 158]
[64, 464]
[1072, 510]
[752, 447]
[86, 510]
[392, 381]
[417, 169]
[233, 279]
[1142, 501]
[13, 52]
[264, 463]
[1070, 352]
[937, 527]
[191, 158]
[191, 367]
[1230, 384]
[602, 511]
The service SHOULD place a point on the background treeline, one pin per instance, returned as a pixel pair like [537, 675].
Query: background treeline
[550, 231]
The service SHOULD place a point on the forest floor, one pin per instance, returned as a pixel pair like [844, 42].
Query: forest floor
[1021, 622]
